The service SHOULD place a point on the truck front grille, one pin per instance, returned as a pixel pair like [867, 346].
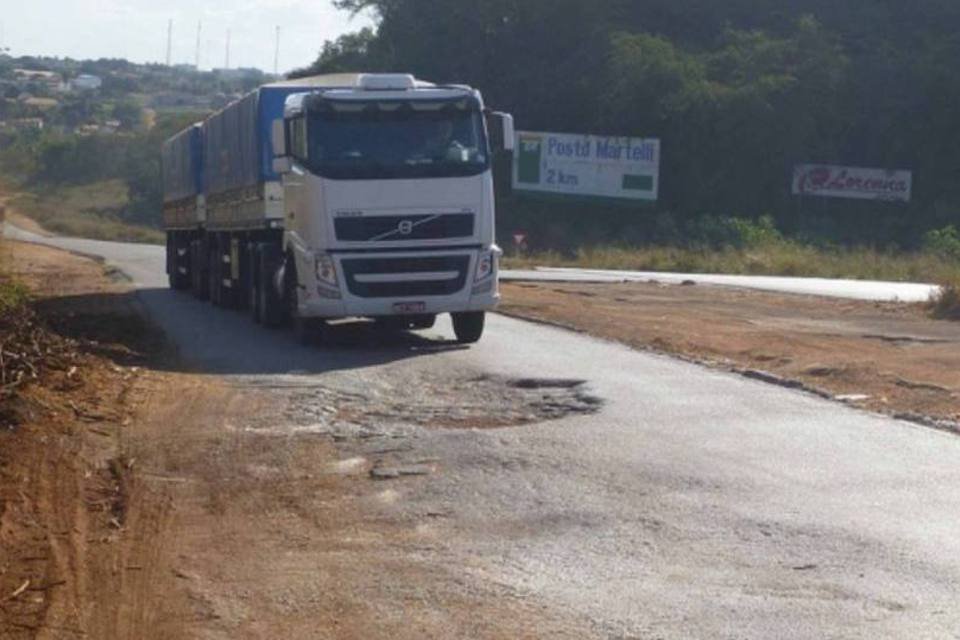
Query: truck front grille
[392, 228]
[406, 277]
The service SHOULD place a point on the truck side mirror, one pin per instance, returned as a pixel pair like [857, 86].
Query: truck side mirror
[501, 130]
[509, 133]
[278, 138]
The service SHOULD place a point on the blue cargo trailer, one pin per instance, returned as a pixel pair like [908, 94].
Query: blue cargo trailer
[183, 180]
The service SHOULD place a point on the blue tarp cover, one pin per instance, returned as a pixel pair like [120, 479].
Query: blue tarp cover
[182, 162]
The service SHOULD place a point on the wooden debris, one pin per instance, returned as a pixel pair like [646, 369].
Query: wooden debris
[20, 591]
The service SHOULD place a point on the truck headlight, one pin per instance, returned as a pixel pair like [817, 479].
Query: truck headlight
[486, 264]
[326, 271]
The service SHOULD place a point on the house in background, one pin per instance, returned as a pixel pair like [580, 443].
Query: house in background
[50, 79]
[86, 82]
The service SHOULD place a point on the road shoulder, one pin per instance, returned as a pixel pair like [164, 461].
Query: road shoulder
[884, 357]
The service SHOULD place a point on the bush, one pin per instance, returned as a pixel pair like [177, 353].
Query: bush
[737, 233]
[943, 242]
[12, 295]
[945, 304]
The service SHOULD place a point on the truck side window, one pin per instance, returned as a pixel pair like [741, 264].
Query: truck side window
[298, 138]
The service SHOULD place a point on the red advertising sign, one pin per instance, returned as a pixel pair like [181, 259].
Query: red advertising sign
[852, 182]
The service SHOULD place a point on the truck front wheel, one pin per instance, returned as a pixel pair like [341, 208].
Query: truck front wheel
[468, 327]
[270, 306]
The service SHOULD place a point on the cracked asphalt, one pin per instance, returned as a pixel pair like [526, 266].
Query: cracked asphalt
[677, 502]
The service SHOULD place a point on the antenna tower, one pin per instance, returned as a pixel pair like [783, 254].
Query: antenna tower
[276, 53]
[169, 40]
[196, 58]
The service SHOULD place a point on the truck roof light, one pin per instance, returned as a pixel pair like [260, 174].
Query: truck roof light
[387, 82]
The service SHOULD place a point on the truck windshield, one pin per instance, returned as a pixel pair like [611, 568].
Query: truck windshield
[402, 142]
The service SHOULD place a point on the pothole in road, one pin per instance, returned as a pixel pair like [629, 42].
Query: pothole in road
[469, 402]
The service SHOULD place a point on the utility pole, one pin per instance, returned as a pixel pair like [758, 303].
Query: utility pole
[169, 40]
[196, 59]
[226, 60]
[276, 53]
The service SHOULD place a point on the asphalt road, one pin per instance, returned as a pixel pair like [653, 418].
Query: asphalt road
[694, 504]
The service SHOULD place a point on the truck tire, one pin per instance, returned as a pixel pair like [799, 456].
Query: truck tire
[214, 286]
[198, 275]
[308, 331]
[253, 285]
[178, 264]
[468, 327]
[270, 305]
[231, 295]
[241, 297]
[177, 281]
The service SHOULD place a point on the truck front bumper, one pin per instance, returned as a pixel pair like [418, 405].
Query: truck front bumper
[401, 283]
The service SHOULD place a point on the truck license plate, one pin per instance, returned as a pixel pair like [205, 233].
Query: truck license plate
[409, 307]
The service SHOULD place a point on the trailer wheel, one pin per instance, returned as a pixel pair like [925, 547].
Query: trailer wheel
[253, 286]
[178, 263]
[214, 286]
[271, 306]
[468, 327]
[198, 275]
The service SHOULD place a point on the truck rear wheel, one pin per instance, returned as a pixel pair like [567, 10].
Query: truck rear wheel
[253, 285]
[468, 327]
[178, 263]
[178, 282]
[198, 274]
[214, 285]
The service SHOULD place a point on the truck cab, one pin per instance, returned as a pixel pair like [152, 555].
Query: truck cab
[389, 203]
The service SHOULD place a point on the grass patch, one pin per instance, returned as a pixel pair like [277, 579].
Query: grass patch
[776, 258]
[13, 295]
[85, 211]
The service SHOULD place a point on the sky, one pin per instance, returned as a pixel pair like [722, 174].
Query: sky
[137, 30]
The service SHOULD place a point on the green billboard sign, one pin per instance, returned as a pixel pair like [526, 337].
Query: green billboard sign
[585, 165]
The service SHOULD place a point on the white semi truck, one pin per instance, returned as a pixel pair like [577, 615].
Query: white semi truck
[359, 195]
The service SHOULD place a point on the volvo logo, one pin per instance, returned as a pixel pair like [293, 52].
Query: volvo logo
[405, 227]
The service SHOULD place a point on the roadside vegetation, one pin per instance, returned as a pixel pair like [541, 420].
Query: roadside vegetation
[16, 323]
[13, 295]
[96, 210]
[102, 186]
[739, 246]
[945, 305]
